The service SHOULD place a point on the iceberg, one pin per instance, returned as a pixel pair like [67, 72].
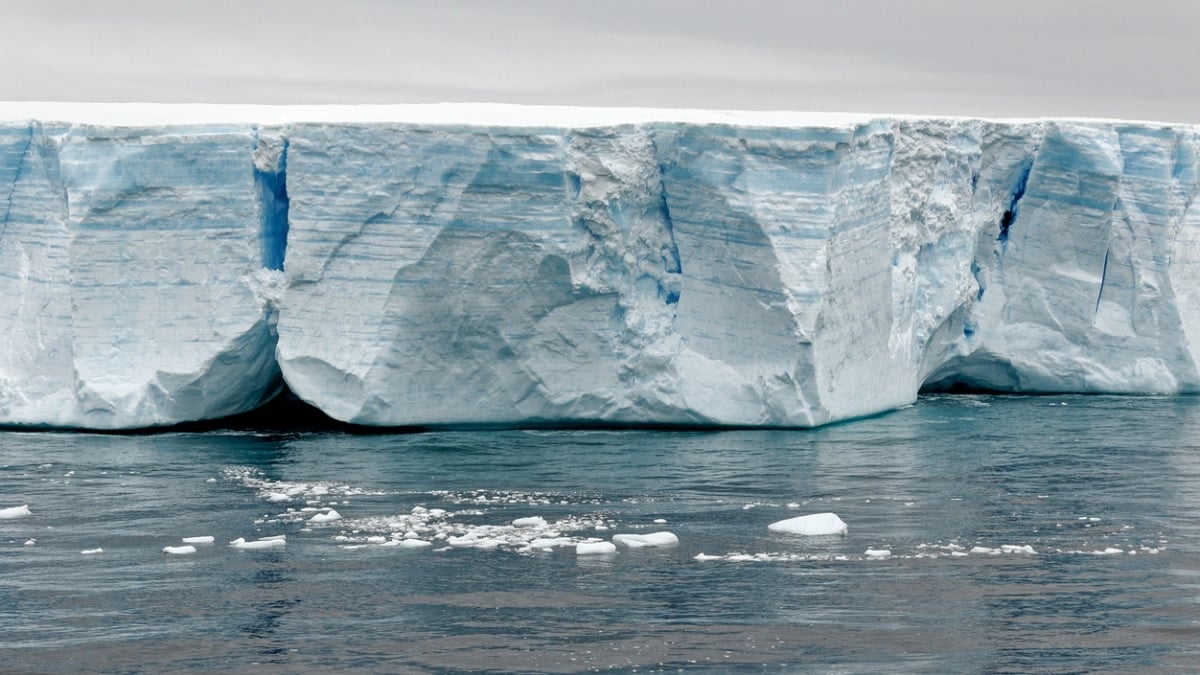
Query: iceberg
[465, 264]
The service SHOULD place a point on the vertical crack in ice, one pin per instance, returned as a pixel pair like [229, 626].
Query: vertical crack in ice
[1010, 215]
[273, 210]
[670, 252]
[1103, 277]
[12, 188]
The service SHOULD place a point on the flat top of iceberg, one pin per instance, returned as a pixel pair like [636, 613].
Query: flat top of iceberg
[490, 114]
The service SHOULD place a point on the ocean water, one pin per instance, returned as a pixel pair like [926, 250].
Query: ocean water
[1026, 534]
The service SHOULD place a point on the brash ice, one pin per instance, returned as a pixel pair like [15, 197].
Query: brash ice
[484, 264]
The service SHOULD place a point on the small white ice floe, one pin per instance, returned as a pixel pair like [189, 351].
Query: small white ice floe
[985, 550]
[1012, 548]
[410, 543]
[199, 540]
[646, 540]
[595, 548]
[179, 550]
[812, 525]
[12, 512]
[877, 553]
[329, 516]
[278, 497]
[92, 551]
[532, 521]
[30, 542]
[660, 521]
[705, 556]
[266, 542]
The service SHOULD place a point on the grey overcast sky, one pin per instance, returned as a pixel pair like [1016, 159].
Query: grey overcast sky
[1097, 58]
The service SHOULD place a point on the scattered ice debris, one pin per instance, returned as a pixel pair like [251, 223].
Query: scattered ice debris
[30, 542]
[326, 517]
[646, 540]
[199, 540]
[595, 548]
[179, 550]
[91, 551]
[12, 512]
[279, 491]
[878, 553]
[812, 525]
[534, 521]
[265, 542]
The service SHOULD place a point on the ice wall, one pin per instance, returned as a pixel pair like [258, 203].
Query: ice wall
[131, 272]
[564, 265]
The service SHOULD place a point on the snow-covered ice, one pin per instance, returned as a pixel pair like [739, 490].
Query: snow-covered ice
[186, 549]
[14, 512]
[646, 540]
[326, 517]
[205, 539]
[595, 548]
[815, 524]
[263, 543]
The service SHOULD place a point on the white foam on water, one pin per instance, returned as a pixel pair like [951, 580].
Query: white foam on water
[878, 553]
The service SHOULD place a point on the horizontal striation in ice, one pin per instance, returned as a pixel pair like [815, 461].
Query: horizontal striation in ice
[643, 267]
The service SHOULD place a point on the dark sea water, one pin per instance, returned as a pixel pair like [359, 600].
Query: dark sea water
[1104, 490]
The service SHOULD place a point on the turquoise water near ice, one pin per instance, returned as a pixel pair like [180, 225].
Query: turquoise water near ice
[1105, 490]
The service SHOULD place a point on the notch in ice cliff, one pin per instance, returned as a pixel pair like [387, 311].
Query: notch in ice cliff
[423, 265]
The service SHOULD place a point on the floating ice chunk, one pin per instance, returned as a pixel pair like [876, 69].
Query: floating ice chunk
[15, 512]
[278, 497]
[208, 539]
[30, 542]
[985, 550]
[328, 516]
[92, 551]
[877, 553]
[1010, 548]
[547, 543]
[411, 543]
[644, 540]
[660, 521]
[595, 548]
[812, 525]
[241, 543]
[274, 537]
[705, 556]
[533, 521]
[179, 550]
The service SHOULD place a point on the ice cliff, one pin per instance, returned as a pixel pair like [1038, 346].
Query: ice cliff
[422, 265]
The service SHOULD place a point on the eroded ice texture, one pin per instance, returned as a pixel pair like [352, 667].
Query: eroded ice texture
[131, 263]
[563, 265]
